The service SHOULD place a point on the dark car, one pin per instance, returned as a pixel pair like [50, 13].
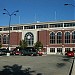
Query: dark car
[0, 52]
[70, 53]
[30, 51]
[3, 51]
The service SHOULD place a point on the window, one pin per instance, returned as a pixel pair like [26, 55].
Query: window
[73, 37]
[67, 49]
[56, 25]
[29, 27]
[52, 50]
[29, 38]
[4, 39]
[20, 28]
[6, 29]
[73, 49]
[42, 26]
[0, 29]
[59, 37]
[59, 50]
[45, 26]
[69, 24]
[67, 37]
[15, 28]
[52, 37]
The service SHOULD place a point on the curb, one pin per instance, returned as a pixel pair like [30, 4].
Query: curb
[72, 67]
[73, 70]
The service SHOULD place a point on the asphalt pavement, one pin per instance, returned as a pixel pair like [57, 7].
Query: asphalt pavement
[35, 65]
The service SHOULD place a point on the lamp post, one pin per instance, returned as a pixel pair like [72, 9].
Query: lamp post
[9, 14]
[69, 4]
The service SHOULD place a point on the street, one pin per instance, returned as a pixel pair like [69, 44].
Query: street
[35, 65]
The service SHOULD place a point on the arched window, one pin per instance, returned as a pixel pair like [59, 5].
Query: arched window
[59, 37]
[4, 39]
[73, 37]
[29, 38]
[52, 37]
[67, 37]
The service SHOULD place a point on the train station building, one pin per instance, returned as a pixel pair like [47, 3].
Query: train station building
[57, 37]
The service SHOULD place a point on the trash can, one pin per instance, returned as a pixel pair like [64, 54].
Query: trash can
[8, 54]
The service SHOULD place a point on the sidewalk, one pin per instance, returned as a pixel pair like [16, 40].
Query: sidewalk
[73, 70]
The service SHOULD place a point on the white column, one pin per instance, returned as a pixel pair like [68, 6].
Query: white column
[55, 50]
[63, 50]
[71, 49]
[48, 50]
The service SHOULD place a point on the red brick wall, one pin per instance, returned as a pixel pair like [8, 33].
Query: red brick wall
[43, 37]
[15, 38]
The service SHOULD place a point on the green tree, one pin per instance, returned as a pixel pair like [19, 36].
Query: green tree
[38, 45]
[23, 44]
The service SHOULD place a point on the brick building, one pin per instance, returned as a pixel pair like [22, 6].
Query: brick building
[57, 37]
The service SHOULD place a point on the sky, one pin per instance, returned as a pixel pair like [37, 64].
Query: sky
[31, 11]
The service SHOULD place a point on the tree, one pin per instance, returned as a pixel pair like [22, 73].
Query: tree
[23, 44]
[38, 45]
[0, 45]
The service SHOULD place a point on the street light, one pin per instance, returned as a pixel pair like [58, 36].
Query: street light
[9, 14]
[69, 4]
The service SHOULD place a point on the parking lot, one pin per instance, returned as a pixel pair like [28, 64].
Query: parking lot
[35, 65]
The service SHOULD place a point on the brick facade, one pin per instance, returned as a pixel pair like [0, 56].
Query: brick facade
[15, 38]
[41, 32]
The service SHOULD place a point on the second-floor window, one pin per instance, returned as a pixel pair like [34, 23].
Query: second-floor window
[67, 37]
[52, 38]
[73, 37]
[59, 37]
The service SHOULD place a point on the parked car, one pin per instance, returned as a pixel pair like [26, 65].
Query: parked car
[70, 53]
[40, 53]
[11, 52]
[15, 52]
[29, 51]
[3, 51]
[0, 52]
